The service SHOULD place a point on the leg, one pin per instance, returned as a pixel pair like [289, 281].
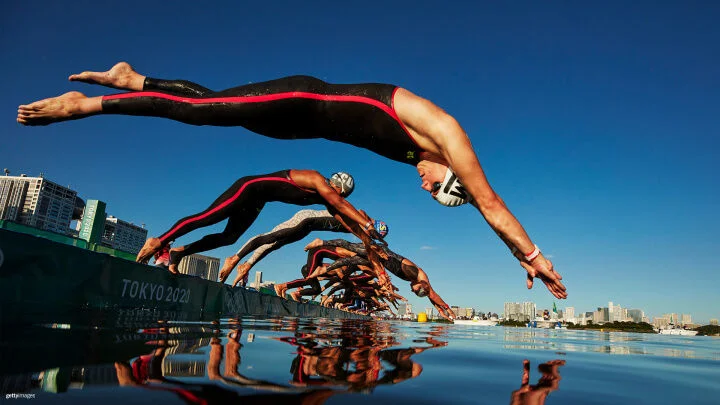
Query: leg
[122, 76]
[314, 289]
[236, 226]
[223, 207]
[262, 245]
[254, 106]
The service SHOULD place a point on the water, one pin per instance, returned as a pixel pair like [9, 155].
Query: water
[318, 361]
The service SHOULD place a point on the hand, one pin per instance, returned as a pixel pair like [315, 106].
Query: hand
[445, 312]
[384, 281]
[373, 233]
[542, 268]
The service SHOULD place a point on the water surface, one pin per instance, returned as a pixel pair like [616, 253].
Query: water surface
[320, 361]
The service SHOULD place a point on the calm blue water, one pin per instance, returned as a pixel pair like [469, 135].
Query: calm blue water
[313, 362]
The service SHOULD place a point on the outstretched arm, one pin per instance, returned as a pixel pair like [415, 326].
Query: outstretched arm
[444, 139]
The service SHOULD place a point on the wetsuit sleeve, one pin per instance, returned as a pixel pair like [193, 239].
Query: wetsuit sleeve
[357, 248]
[176, 87]
[349, 261]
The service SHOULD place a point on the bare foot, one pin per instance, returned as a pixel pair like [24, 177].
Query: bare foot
[175, 257]
[315, 243]
[242, 273]
[121, 76]
[69, 106]
[228, 267]
[280, 290]
[295, 295]
[152, 245]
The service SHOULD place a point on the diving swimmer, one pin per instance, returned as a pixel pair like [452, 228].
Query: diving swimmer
[383, 118]
[244, 200]
[294, 229]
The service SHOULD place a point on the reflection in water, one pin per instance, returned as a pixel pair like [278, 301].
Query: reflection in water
[596, 341]
[201, 363]
[536, 394]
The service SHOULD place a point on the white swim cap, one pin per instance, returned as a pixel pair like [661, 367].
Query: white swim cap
[452, 193]
[344, 181]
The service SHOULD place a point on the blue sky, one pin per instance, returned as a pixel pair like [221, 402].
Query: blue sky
[598, 126]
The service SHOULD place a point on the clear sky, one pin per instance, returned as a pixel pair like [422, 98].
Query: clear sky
[598, 126]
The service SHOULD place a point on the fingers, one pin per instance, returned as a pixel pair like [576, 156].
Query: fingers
[549, 277]
[526, 373]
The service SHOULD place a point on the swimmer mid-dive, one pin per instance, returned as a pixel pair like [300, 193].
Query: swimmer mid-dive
[383, 118]
[242, 202]
[396, 264]
[294, 229]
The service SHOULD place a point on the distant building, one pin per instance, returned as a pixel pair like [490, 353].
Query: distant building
[258, 280]
[686, 319]
[37, 202]
[516, 311]
[661, 322]
[636, 315]
[122, 235]
[714, 322]
[569, 314]
[200, 266]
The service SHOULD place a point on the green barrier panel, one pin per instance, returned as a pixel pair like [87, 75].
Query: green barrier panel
[40, 278]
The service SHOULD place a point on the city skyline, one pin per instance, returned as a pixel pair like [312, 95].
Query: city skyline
[111, 218]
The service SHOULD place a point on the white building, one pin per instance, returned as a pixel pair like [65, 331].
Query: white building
[122, 235]
[200, 266]
[36, 202]
[686, 319]
[569, 314]
[258, 280]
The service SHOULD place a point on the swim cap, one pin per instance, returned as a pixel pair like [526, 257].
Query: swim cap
[423, 289]
[381, 227]
[344, 181]
[452, 193]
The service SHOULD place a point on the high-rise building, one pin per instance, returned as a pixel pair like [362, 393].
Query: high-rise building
[714, 322]
[122, 235]
[37, 202]
[615, 313]
[569, 313]
[661, 322]
[516, 311]
[200, 266]
[686, 319]
[258, 280]
[636, 315]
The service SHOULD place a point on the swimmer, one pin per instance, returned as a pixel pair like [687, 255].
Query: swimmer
[244, 200]
[383, 118]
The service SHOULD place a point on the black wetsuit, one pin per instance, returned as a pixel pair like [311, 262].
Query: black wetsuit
[240, 205]
[315, 257]
[295, 107]
[394, 264]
